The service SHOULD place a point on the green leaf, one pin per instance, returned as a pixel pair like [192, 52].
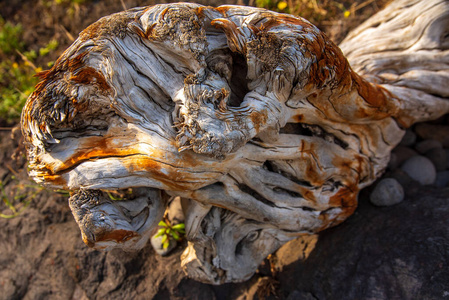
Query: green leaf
[175, 235]
[162, 223]
[179, 226]
[164, 239]
[160, 232]
[113, 198]
[165, 245]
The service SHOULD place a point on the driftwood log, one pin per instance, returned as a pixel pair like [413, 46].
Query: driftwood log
[256, 119]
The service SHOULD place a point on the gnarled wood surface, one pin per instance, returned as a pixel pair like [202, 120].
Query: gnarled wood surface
[256, 117]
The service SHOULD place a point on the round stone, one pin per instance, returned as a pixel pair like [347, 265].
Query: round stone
[421, 169]
[438, 157]
[434, 132]
[426, 145]
[156, 242]
[387, 192]
[447, 158]
[393, 162]
[409, 138]
[403, 153]
[442, 179]
[401, 177]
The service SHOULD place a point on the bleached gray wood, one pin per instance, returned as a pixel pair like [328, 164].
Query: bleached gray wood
[255, 118]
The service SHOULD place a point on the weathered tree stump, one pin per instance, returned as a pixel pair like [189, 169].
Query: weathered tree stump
[255, 117]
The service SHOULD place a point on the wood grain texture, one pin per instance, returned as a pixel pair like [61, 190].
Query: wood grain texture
[255, 116]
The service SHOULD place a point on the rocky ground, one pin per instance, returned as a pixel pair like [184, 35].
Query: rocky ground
[396, 245]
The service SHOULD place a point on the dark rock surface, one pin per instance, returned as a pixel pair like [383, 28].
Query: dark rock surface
[397, 252]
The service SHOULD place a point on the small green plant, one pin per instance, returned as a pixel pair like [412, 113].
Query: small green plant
[120, 195]
[72, 7]
[168, 231]
[18, 198]
[10, 36]
[317, 11]
[52, 45]
[17, 69]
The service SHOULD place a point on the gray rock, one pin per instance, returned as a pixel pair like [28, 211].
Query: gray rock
[175, 212]
[438, 158]
[409, 139]
[421, 169]
[401, 177]
[442, 179]
[426, 145]
[387, 192]
[403, 153]
[156, 242]
[393, 162]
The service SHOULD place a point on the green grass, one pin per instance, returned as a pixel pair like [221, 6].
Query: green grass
[17, 69]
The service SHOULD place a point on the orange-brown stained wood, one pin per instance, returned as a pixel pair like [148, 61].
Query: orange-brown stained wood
[149, 31]
[295, 21]
[172, 177]
[307, 194]
[232, 33]
[223, 10]
[351, 167]
[313, 172]
[299, 118]
[92, 31]
[95, 148]
[175, 171]
[376, 96]
[89, 75]
[328, 57]
[268, 24]
[258, 119]
[118, 236]
[55, 181]
[199, 11]
[113, 25]
[346, 199]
